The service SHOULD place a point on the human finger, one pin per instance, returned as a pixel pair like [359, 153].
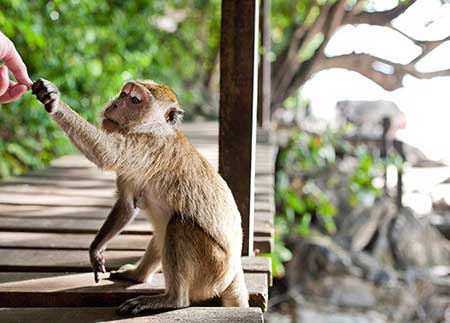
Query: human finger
[4, 80]
[14, 92]
[12, 59]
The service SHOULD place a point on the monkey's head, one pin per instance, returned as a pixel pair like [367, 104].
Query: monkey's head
[143, 107]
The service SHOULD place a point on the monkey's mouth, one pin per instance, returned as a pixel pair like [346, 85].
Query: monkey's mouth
[109, 124]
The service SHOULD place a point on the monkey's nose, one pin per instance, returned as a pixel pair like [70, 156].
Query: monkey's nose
[111, 108]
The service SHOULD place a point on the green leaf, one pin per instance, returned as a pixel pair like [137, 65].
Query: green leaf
[303, 228]
[296, 203]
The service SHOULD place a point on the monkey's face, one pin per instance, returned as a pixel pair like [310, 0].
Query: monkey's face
[142, 106]
[129, 107]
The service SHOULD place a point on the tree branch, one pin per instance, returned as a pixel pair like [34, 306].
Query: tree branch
[426, 45]
[363, 64]
[289, 72]
[283, 74]
[336, 16]
[297, 36]
[382, 18]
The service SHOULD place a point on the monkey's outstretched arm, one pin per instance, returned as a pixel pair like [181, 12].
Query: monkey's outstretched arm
[99, 147]
[121, 214]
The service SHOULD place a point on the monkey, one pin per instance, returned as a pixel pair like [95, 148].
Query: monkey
[197, 237]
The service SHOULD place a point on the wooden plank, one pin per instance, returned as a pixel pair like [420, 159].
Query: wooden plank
[57, 195]
[263, 244]
[55, 260]
[203, 126]
[104, 192]
[45, 211]
[52, 195]
[68, 289]
[40, 240]
[35, 218]
[90, 221]
[73, 173]
[53, 200]
[67, 225]
[264, 206]
[105, 314]
[92, 173]
[237, 115]
[55, 182]
[264, 179]
[37, 194]
[79, 224]
[262, 189]
[51, 260]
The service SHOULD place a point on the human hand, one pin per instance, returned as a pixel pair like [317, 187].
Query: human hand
[11, 90]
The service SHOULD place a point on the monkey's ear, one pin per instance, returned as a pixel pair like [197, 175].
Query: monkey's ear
[174, 115]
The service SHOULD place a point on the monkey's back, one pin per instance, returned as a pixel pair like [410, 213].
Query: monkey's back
[188, 183]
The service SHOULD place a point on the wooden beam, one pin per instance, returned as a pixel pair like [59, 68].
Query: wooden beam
[108, 314]
[238, 91]
[22, 289]
[59, 260]
[264, 73]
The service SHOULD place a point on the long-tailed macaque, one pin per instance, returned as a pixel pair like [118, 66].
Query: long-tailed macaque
[197, 228]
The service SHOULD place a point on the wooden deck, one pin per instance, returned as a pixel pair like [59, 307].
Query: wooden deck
[49, 217]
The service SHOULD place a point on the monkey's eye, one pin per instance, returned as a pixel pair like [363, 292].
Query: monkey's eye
[123, 94]
[136, 100]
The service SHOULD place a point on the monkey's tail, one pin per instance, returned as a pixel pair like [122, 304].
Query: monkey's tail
[236, 294]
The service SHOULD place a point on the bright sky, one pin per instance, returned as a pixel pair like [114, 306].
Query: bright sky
[426, 103]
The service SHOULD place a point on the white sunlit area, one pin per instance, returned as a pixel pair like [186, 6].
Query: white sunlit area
[424, 102]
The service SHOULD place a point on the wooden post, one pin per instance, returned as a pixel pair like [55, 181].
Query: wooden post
[238, 91]
[264, 73]
[386, 123]
[399, 198]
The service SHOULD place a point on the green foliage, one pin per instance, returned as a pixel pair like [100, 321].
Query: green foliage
[286, 15]
[362, 189]
[88, 49]
[300, 198]
[279, 256]
[301, 202]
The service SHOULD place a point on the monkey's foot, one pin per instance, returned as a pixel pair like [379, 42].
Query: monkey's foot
[141, 304]
[129, 272]
[47, 93]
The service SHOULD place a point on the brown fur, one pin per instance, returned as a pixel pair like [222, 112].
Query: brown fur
[198, 234]
[160, 91]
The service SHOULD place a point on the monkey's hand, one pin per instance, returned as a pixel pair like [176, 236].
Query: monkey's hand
[47, 93]
[97, 262]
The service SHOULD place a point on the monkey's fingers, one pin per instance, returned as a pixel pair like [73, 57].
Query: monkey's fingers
[96, 276]
[46, 92]
[98, 268]
[38, 86]
[49, 97]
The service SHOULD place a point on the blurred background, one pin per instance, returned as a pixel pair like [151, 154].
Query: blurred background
[90, 48]
[360, 105]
